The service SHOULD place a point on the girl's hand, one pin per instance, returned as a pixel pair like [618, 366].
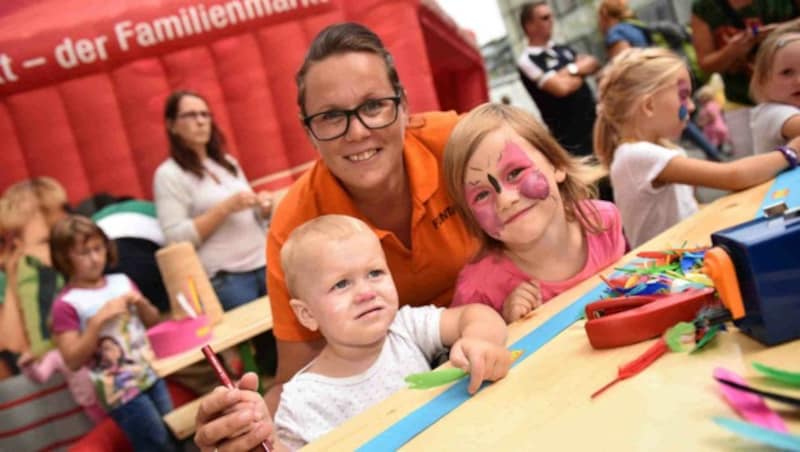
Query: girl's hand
[112, 309]
[522, 301]
[233, 419]
[136, 299]
[240, 201]
[483, 360]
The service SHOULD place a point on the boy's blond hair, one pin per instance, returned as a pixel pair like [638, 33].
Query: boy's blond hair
[631, 75]
[308, 237]
[45, 192]
[765, 58]
[15, 213]
[484, 119]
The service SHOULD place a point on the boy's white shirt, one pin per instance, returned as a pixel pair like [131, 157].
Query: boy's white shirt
[646, 211]
[766, 121]
[312, 404]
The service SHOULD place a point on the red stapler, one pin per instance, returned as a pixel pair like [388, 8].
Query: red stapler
[615, 322]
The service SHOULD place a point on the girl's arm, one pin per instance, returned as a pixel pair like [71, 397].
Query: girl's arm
[736, 175]
[791, 128]
[77, 347]
[478, 334]
[147, 312]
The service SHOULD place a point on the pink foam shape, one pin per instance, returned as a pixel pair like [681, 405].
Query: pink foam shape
[750, 407]
[177, 336]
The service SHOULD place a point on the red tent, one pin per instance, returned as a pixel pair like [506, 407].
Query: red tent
[83, 82]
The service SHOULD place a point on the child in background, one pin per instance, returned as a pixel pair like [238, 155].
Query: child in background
[340, 285]
[710, 118]
[14, 217]
[644, 104]
[78, 381]
[522, 195]
[776, 86]
[93, 307]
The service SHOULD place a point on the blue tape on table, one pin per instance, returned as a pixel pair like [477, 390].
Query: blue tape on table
[423, 417]
[786, 188]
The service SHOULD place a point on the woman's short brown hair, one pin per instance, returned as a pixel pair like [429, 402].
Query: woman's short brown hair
[71, 231]
[343, 38]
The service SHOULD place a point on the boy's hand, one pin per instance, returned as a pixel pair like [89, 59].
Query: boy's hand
[483, 360]
[523, 300]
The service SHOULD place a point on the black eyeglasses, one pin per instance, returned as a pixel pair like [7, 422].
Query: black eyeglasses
[372, 114]
[195, 115]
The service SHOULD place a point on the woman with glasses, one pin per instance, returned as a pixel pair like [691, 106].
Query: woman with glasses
[378, 164]
[202, 196]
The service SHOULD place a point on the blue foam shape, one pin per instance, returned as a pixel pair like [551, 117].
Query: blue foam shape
[760, 434]
[423, 417]
[786, 180]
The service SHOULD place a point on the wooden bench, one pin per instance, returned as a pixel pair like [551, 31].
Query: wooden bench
[181, 420]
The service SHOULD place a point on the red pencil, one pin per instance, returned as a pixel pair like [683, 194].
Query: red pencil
[211, 357]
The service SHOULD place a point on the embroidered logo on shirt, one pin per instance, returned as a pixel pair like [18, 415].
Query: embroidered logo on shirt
[443, 215]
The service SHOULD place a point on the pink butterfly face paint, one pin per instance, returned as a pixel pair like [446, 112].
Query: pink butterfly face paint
[684, 93]
[513, 171]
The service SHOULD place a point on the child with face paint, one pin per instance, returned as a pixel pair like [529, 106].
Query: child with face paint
[522, 195]
[776, 86]
[644, 104]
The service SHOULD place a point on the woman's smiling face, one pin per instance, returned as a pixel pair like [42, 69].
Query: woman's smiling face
[362, 159]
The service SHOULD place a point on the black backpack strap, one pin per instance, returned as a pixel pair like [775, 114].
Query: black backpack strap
[733, 16]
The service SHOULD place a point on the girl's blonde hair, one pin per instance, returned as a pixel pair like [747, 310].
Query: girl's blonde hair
[615, 9]
[765, 58]
[484, 119]
[631, 75]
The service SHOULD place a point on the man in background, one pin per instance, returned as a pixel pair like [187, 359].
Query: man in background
[554, 77]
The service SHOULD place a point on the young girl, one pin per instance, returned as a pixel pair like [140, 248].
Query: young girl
[521, 195]
[776, 86]
[710, 118]
[94, 310]
[644, 104]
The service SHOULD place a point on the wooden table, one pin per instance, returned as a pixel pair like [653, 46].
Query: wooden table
[544, 403]
[238, 325]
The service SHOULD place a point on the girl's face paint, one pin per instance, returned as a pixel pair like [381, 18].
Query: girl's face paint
[501, 185]
[684, 96]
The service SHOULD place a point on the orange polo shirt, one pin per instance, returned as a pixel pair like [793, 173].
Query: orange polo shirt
[440, 243]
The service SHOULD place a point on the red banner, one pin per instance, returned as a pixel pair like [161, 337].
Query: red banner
[37, 49]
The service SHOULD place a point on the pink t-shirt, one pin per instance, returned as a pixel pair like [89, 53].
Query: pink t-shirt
[492, 277]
